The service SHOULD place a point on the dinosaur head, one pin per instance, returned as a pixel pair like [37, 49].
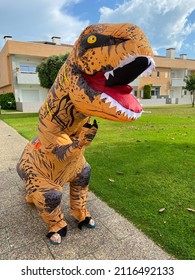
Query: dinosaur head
[104, 60]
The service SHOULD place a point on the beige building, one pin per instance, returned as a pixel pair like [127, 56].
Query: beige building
[18, 61]
[167, 79]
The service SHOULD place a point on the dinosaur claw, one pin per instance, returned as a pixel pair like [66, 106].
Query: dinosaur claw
[95, 124]
[87, 125]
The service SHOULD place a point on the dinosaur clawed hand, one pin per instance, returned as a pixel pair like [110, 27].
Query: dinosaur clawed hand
[88, 125]
[88, 133]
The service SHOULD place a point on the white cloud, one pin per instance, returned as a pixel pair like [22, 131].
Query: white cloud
[165, 22]
[39, 20]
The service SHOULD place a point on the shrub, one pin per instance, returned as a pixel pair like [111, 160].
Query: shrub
[48, 69]
[147, 91]
[7, 101]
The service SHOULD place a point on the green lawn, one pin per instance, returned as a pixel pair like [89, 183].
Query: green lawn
[25, 123]
[141, 167]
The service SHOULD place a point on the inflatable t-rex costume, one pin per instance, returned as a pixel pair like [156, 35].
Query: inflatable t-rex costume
[92, 82]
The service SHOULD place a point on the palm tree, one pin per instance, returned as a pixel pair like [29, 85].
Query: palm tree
[190, 86]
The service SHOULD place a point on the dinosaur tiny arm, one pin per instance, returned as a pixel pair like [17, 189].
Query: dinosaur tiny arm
[87, 134]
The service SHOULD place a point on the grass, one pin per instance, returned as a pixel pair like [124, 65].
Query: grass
[141, 167]
[24, 123]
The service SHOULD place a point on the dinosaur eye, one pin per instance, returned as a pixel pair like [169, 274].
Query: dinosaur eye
[91, 39]
[96, 40]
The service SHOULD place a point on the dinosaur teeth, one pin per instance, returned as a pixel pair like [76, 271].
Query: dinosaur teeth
[103, 95]
[113, 103]
[112, 73]
[119, 108]
[150, 68]
[107, 74]
[128, 59]
[108, 99]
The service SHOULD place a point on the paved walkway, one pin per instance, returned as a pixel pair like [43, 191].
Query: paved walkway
[22, 232]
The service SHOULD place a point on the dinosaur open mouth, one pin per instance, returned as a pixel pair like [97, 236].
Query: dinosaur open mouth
[114, 84]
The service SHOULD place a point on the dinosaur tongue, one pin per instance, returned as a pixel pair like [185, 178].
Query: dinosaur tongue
[121, 93]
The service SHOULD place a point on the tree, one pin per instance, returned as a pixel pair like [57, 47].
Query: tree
[49, 68]
[190, 86]
[147, 91]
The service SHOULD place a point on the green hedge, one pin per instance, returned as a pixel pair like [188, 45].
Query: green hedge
[147, 91]
[7, 101]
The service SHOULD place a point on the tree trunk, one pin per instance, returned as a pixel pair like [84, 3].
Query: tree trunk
[193, 98]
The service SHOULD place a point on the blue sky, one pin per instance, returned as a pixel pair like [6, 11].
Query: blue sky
[166, 23]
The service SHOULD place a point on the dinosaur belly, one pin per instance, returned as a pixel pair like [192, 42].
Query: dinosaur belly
[38, 163]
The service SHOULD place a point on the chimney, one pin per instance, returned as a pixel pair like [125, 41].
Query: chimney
[7, 37]
[183, 56]
[56, 40]
[170, 53]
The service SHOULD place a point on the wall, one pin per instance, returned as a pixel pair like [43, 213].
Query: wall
[29, 94]
[162, 81]
[38, 90]
[163, 62]
[186, 99]
[152, 102]
[28, 106]
[6, 82]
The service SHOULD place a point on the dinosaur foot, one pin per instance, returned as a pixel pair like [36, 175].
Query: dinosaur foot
[56, 237]
[88, 222]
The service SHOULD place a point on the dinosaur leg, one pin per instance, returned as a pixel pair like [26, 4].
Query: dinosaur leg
[78, 198]
[47, 199]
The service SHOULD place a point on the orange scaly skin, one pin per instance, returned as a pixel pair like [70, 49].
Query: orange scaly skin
[56, 157]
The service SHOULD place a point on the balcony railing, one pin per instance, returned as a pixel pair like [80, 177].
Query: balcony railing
[177, 82]
[27, 78]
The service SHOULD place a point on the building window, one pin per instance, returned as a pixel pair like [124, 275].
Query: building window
[155, 91]
[166, 74]
[158, 74]
[27, 68]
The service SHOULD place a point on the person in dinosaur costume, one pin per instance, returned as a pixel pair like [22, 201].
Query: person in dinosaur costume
[92, 82]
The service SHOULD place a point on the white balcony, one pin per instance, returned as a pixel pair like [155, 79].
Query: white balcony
[177, 82]
[27, 78]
